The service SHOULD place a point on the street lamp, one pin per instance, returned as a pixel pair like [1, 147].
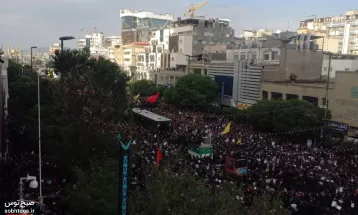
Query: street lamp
[32, 47]
[39, 134]
[65, 38]
[33, 184]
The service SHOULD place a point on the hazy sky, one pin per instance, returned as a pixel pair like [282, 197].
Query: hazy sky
[24, 23]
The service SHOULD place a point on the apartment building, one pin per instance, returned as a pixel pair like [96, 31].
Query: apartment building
[340, 32]
[137, 26]
[130, 58]
[54, 47]
[339, 63]
[190, 36]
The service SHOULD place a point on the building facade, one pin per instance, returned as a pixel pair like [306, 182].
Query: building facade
[340, 32]
[240, 83]
[342, 95]
[190, 36]
[137, 26]
[339, 63]
[130, 57]
[55, 47]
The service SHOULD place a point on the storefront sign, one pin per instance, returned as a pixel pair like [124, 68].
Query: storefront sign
[338, 127]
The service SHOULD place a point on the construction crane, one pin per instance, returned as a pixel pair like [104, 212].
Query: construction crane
[193, 8]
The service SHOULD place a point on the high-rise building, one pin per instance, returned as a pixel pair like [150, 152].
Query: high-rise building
[137, 26]
[340, 33]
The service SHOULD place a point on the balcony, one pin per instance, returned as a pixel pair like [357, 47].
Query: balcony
[335, 25]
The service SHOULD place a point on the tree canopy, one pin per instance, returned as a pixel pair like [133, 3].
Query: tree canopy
[192, 90]
[284, 116]
[144, 88]
[79, 114]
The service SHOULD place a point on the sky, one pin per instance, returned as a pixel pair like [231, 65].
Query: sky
[25, 23]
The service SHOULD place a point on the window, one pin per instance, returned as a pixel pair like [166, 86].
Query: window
[274, 55]
[325, 69]
[161, 37]
[253, 57]
[242, 57]
[347, 69]
[266, 57]
[180, 41]
[180, 50]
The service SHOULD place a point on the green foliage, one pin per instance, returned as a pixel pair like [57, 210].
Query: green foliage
[142, 87]
[170, 193]
[89, 94]
[284, 116]
[96, 190]
[145, 88]
[192, 90]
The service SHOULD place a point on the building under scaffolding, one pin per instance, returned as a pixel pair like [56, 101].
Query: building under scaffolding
[137, 26]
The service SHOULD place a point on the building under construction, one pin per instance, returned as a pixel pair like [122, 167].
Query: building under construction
[137, 26]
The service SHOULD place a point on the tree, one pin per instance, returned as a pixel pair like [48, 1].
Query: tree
[95, 190]
[142, 87]
[285, 116]
[192, 90]
[79, 113]
[182, 193]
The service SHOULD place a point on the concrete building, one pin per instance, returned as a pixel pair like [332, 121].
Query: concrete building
[137, 26]
[190, 36]
[342, 95]
[250, 34]
[239, 82]
[81, 43]
[53, 48]
[339, 63]
[118, 54]
[92, 40]
[156, 55]
[130, 57]
[340, 32]
[259, 51]
[112, 41]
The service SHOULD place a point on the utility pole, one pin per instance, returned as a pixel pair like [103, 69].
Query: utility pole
[327, 84]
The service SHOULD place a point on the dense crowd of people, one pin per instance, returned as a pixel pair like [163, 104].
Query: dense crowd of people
[310, 179]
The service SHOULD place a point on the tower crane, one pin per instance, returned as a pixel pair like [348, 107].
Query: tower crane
[193, 8]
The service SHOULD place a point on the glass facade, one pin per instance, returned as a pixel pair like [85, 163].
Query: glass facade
[132, 22]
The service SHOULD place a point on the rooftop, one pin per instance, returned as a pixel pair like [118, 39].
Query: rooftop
[302, 83]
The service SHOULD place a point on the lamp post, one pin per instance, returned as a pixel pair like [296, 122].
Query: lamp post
[65, 38]
[39, 134]
[32, 47]
[33, 184]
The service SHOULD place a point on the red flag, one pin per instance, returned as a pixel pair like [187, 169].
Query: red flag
[153, 98]
[159, 157]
